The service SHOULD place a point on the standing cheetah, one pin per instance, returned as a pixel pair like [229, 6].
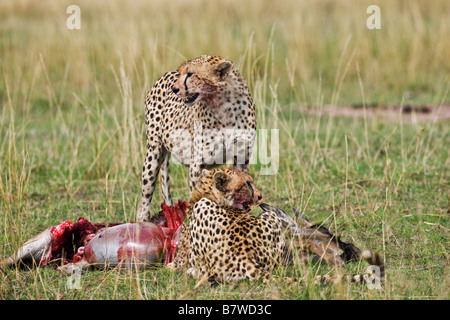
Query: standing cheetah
[204, 116]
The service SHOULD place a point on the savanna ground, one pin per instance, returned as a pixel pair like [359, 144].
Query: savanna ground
[72, 131]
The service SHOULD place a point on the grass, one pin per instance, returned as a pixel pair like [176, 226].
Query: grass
[72, 131]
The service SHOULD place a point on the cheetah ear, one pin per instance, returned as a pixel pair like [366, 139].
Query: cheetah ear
[221, 180]
[223, 69]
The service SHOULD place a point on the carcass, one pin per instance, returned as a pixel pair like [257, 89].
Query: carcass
[112, 244]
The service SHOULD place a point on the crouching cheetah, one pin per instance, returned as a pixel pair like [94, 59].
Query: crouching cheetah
[202, 115]
[222, 240]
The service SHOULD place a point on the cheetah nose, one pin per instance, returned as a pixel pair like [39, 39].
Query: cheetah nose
[175, 90]
[258, 196]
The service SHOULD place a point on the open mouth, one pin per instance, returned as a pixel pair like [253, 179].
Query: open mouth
[243, 205]
[191, 98]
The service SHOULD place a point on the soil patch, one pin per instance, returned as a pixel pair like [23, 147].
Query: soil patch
[406, 113]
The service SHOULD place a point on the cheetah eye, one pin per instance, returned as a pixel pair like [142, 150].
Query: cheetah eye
[249, 186]
[189, 74]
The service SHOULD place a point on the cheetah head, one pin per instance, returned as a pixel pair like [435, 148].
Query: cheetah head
[227, 187]
[201, 79]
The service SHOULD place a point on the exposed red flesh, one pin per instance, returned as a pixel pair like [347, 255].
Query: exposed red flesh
[174, 215]
[60, 239]
[68, 240]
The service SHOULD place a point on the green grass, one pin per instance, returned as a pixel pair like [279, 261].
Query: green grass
[72, 132]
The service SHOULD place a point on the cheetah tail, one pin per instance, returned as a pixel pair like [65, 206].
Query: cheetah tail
[374, 259]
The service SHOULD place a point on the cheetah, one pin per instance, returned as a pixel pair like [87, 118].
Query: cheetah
[220, 188]
[222, 240]
[204, 116]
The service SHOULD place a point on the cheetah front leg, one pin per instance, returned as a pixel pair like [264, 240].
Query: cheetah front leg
[165, 179]
[152, 164]
[241, 167]
[195, 173]
[243, 151]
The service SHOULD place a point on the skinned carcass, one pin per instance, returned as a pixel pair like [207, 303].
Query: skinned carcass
[106, 244]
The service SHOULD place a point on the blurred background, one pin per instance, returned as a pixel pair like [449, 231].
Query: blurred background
[310, 51]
